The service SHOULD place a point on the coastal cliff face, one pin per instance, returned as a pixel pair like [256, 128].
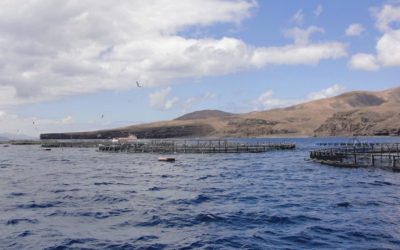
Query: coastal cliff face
[360, 123]
[353, 113]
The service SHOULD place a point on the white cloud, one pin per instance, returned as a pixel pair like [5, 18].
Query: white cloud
[302, 36]
[51, 50]
[354, 29]
[267, 100]
[364, 62]
[310, 54]
[318, 11]
[298, 17]
[159, 99]
[386, 16]
[170, 102]
[387, 47]
[328, 92]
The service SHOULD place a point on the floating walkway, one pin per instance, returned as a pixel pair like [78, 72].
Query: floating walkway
[350, 144]
[194, 147]
[73, 143]
[377, 155]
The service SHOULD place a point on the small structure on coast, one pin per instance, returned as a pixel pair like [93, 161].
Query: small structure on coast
[194, 146]
[377, 155]
[129, 139]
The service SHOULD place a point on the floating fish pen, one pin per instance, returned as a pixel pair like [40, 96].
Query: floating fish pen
[73, 143]
[350, 144]
[194, 146]
[379, 155]
[24, 142]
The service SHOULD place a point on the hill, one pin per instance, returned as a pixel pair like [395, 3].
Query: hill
[352, 113]
[204, 114]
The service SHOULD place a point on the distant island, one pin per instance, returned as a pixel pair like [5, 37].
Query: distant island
[359, 113]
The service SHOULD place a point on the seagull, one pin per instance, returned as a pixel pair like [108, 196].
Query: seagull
[137, 84]
[34, 125]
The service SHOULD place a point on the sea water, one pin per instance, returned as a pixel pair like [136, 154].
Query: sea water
[82, 199]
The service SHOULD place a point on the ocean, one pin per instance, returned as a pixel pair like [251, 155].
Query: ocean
[77, 198]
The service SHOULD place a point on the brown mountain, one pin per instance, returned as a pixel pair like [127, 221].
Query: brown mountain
[353, 113]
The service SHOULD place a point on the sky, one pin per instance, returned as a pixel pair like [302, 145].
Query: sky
[74, 65]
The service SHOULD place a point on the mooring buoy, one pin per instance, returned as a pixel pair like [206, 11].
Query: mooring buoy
[168, 159]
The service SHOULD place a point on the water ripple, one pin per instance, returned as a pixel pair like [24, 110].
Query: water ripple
[82, 199]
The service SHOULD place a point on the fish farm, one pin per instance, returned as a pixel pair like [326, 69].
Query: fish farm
[73, 143]
[377, 155]
[194, 147]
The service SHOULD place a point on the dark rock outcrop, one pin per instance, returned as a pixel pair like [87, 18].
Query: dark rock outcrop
[358, 100]
[357, 122]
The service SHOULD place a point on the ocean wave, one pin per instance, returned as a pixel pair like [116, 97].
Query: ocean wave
[128, 201]
[34, 205]
[24, 220]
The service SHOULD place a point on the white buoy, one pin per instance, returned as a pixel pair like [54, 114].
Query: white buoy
[168, 159]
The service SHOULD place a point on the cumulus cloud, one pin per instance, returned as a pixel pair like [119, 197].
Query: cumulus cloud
[388, 45]
[310, 54]
[388, 49]
[364, 62]
[354, 29]
[268, 100]
[386, 16]
[50, 50]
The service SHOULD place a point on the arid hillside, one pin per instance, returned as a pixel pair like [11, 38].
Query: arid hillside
[352, 113]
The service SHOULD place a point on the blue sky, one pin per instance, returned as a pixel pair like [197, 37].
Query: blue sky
[75, 66]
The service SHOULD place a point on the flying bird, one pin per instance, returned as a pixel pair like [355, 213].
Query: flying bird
[137, 84]
[34, 125]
